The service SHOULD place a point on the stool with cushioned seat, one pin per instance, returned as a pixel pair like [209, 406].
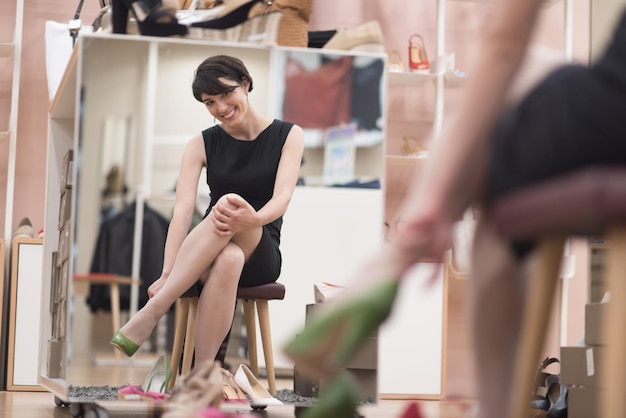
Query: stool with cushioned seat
[588, 202]
[253, 298]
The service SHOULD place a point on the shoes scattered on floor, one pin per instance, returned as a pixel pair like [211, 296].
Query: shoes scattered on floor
[154, 385]
[232, 391]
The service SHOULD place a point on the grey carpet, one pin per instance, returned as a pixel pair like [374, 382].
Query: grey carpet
[109, 393]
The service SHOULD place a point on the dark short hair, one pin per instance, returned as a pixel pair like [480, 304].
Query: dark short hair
[207, 75]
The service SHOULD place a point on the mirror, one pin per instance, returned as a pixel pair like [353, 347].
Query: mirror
[136, 115]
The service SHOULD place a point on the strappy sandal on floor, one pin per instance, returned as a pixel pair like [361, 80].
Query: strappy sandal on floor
[154, 385]
[546, 384]
[201, 389]
[232, 392]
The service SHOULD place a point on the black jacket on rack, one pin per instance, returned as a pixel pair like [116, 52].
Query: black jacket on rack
[114, 254]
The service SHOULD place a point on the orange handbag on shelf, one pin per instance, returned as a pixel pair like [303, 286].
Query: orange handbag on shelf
[418, 58]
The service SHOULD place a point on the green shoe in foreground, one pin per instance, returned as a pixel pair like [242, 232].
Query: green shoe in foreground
[338, 400]
[330, 339]
[124, 344]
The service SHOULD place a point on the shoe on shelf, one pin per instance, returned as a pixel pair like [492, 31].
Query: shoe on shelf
[259, 396]
[124, 344]
[367, 37]
[154, 17]
[261, 29]
[294, 23]
[154, 385]
[24, 229]
[231, 13]
[412, 147]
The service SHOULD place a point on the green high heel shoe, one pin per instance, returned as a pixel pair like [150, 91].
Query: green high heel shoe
[338, 400]
[330, 339]
[124, 344]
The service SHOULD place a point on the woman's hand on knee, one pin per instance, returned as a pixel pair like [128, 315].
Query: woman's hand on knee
[232, 214]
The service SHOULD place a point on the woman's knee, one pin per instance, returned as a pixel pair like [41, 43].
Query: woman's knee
[223, 201]
[231, 258]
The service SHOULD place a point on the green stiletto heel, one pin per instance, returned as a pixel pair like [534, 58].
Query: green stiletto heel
[330, 339]
[124, 344]
[339, 400]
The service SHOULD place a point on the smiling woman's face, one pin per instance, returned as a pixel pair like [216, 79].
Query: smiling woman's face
[229, 106]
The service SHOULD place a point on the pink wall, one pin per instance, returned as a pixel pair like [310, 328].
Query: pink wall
[33, 103]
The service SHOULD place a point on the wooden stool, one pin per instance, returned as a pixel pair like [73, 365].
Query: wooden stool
[114, 281]
[257, 296]
[589, 202]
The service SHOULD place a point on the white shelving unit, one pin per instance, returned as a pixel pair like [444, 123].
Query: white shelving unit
[441, 75]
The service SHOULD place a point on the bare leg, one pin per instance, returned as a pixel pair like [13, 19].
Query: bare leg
[497, 296]
[217, 302]
[195, 256]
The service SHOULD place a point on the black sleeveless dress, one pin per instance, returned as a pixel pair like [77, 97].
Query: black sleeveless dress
[574, 118]
[248, 168]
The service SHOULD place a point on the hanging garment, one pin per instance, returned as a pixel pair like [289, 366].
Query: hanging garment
[114, 254]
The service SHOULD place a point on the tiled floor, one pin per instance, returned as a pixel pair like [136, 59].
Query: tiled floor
[42, 405]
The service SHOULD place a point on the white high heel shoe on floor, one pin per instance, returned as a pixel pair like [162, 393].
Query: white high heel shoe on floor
[259, 396]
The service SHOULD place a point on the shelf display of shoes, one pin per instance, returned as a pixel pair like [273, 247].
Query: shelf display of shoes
[283, 22]
[24, 229]
[395, 64]
[367, 37]
[418, 57]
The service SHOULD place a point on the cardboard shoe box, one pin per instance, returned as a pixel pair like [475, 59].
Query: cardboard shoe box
[363, 366]
[582, 402]
[581, 366]
[367, 381]
[594, 312]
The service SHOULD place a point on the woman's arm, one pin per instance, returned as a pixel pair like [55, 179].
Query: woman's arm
[453, 175]
[286, 177]
[192, 162]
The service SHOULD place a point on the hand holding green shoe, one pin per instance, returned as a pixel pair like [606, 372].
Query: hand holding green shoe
[334, 336]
